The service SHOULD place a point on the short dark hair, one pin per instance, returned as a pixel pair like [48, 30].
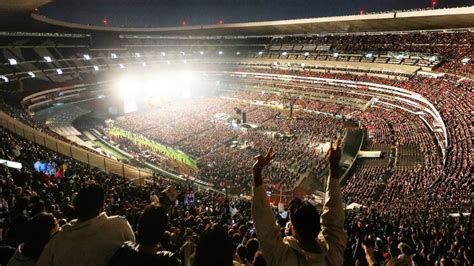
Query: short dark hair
[38, 233]
[152, 225]
[305, 219]
[89, 201]
[215, 248]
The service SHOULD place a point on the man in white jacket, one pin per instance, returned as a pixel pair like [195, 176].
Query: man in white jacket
[92, 238]
[315, 240]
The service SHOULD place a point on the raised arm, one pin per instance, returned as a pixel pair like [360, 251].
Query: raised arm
[332, 219]
[268, 232]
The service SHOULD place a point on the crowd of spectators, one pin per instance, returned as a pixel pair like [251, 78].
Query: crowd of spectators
[411, 215]
[72, 220]
[296, 137]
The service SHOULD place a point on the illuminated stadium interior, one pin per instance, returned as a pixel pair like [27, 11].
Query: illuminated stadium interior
[140, 110]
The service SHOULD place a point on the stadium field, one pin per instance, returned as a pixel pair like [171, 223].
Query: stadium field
[155, 146]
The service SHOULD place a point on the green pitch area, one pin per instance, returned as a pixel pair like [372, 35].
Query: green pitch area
[155, 146]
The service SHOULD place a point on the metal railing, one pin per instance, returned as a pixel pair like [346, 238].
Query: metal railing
[92, 159]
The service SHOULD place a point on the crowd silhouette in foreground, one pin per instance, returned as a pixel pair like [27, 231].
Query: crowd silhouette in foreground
[88, 217]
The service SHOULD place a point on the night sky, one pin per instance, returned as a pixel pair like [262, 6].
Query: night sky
[162, 13]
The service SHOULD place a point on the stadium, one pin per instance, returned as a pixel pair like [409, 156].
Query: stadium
[340, 140]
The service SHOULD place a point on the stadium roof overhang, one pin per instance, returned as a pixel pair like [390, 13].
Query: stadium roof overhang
[21, 16]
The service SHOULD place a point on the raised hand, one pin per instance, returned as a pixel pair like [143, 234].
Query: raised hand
[259, 164]
[333, 156]
[263, 161]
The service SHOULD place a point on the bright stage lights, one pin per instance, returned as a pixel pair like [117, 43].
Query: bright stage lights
[260, 53]
[114, 56]
[144, 64]
[121, 66]
[31, 74]
[168, 62]
[138, 55]
[12, 61]
[48, 59]
[59, 71]
[96, 68]
[5, 79]
[201, 52]
[237, 53]
[306, 54]
[87, 57]
[127, 84]
[163, 53]
[186, 94]
[127, 88]
[220, 52]
[156, 88]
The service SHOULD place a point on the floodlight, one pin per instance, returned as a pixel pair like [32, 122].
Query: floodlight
[59, 71]
[186, 77]
[335, 54]
[144, 64]
[201, 52]
[369, 55]
[186, 94]
[121, 66]
[303, 64]
[96, 68]
[260, 53]
[137, 54]
[48, 59]
[220, 52]
[114, 56]
[126, 85]
[12, 61]
[87, 57]
[5, 79]
[185, 62]
[237, 53]
[31, 74]
[168, 62]
[306, 54]
[163, 53]
[183, 53]
[284, 53]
